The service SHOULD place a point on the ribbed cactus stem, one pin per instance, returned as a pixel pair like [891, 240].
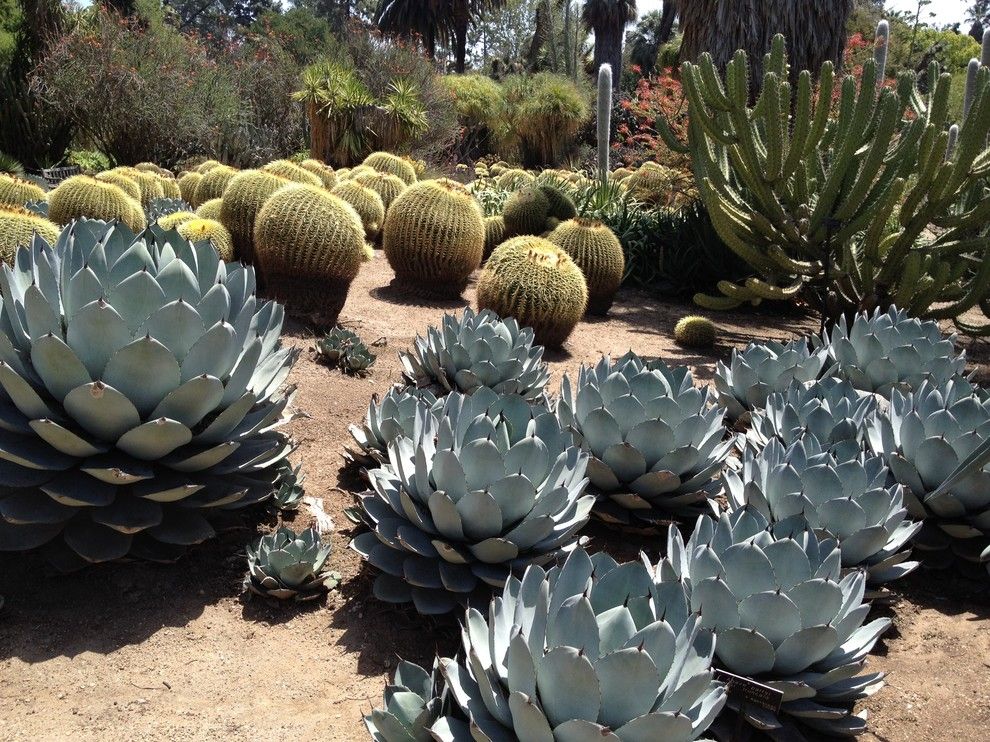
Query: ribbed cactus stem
[881, 46]
[953, 139]
[985, 54]
[971, 73]
[604, 119]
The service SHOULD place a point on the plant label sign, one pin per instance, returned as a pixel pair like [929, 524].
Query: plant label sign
[748, 691]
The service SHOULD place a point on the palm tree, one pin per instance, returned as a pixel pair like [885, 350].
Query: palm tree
[608, 20]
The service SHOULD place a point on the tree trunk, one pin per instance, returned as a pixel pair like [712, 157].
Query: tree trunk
[608, 50]
[462, 18]
[667, 18]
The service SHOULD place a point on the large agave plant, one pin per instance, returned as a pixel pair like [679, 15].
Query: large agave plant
[843, 495]
[414, 700]
[761, 369]
[392, 416]
[782, 614]
[479, 350]
[656, 441]
[160, 207]
[590, 650]
[482, 487]
[888, 350]
[139, 394]
[925, 437]
[831, 410]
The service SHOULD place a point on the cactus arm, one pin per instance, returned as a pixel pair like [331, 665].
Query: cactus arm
[979, 290]
[874, 232]
[734, 291]
[716, 303]
[802, 126]
[910, 276]
[766, 290]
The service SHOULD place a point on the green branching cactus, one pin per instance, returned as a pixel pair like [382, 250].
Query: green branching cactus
[855, 209]
[604, 119]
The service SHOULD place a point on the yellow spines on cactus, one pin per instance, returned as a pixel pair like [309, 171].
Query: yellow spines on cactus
[203, 230]
[598, 253]
[309, 245]
[494, 234]
[149, 184]
[322, 171]
[513, 178]
[83, 197]
[210, 209]
[124, 182]
[561, 206]
[173, 220]
[388, 187]
[150, 167]
[695, 332]
[291, 171]
[536, 282]
[18, 226]
[526, 212]
[369, 252]
[170, 186]
[204, 167]
[187, 185]
[343, 173]
[213, 184]
[246, 193]
[356, 172]
[657, 185]
[434, 236]
[620, 173]
[366, 203]
[386, 162]
[17, 191]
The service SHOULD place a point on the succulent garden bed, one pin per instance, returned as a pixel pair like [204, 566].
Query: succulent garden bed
[141, 651]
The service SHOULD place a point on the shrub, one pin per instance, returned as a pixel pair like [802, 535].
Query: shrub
[544, 113]
[480, 106]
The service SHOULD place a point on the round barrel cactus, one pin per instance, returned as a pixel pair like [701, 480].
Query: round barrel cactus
[591, 650]
[386, 162]
[388, 187]
[925, 436]
[140, 382]
[18, 191]
[322, 171]
[657, 443]
[82, 197]
[387, 419]
[888, 350]
[477, 350]
[243, 198]
[843, 495]
[288, 170]
[17, 228]
[598, 253]
[782, 614]
[366, 202]
[481, 488]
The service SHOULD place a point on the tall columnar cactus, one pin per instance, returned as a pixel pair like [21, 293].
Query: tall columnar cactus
[841, 207]
[604, 119]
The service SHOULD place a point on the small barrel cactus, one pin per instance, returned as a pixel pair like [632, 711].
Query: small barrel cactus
[386, 162]
[434, 237]
[17, 228]
[149, 184]
[695, 332]
[367, 203]
[129, 186]
[208, 230]
[213, 184]
[536, 282]
[562, 207]
[170, 186]
[598, 253]
[246, 193]
[82, 197]
[187, 185]
[174, 219]
[388, 187]
[322, 171]
[494, 234]
[309, 247]
[18, 191]
[289, 566]
[526, 212]
[207, 165]
[512, 179]
[288, 170]
[473, 351]
[211, 209]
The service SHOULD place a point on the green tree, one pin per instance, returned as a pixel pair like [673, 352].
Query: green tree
[608, 19]
[653, 31]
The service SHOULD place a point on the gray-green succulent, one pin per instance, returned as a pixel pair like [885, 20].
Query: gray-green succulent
[888, 350]
[414, 700]
[289, 489]
[591, 650]
[344, 349]
[38, 207]
[761, 369]
[831, 410]
[843, 495]
[289, 566]
[925, 436]
[473, 351]
[141, 384]
[385, 420]
[161, 207]
[657, 443]
[480, 488]
[782, 614]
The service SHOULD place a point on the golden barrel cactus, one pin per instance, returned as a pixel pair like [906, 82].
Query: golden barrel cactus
[434, 237]
[149, 184]
[526, 212]
[309, 245]
[322, 171]
[213, 184]
[124, 182]
[207, 166]
[83, 197]
[386, 162]
[291, 171]
[18, 191]
[173, 220]
[598, 253]
[18, 226]
[494, 233]
[209, 230]
[536, 282]
[366, 203]
[695, 332]
[513, 178]
[210, 209]
[245, 195]
[187, 185]
[388, 187]
[170, 186]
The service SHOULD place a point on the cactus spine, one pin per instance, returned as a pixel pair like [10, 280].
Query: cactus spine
[604, 119]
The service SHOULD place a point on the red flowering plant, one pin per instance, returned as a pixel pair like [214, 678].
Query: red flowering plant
[636, 137]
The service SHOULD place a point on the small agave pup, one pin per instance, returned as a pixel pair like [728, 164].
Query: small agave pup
[479, 350]
[289, 489]
[888, 350]
[480, 488]
[289, 566]
[655, 440]
[414, 700]
[783, 615]
[589, 650]
[761, 369]
[842, 495]
[386, 420]
[140, 377]
[925, 436]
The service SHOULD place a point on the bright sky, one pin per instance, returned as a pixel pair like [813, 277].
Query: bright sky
[946, 11]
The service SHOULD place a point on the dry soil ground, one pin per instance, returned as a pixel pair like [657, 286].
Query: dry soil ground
[145, 652]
